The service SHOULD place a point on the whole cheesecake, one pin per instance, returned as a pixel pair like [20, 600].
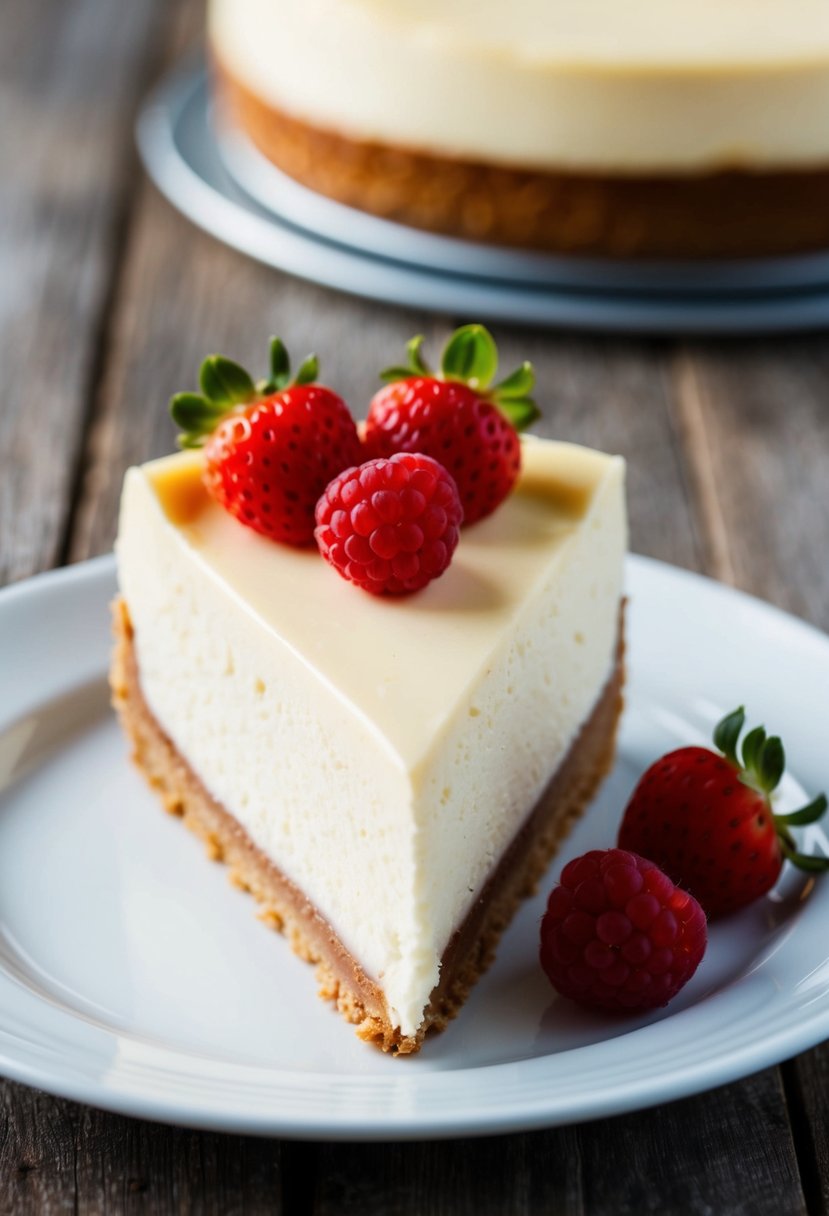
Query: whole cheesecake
[622, 128]
[388, 777]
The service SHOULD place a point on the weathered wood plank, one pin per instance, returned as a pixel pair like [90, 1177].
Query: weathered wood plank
[755, 423]
[70, 75]
[57, 1157]
[726, 1152]
[807, 1084]
[522, 1175]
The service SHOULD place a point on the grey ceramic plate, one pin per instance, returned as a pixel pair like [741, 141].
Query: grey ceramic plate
[227, 188]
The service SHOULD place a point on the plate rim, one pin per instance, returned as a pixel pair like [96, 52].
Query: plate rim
[283, 198]
[96, 578]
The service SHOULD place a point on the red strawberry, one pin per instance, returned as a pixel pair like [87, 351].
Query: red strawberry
[390, 526]
[706, 818]
[618, 935]
[270, 449]
[457, 416]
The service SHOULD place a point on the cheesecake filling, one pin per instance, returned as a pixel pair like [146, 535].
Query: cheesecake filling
[641, 87]
[382, 753]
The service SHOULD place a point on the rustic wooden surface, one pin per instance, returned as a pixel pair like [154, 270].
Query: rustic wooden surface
[108, 299]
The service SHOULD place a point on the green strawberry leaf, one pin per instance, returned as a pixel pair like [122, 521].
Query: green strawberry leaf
[280, 365]
[418, 365]
[196, 416]
[389, 375]
[807, 814]
[308, 370]
[752, 746]
[512, 396]
[518, 385]
[471, 356]
[727, 733]
[771, 761]
[224, 382]
[520, 413]
[812, 863]
[187, 442]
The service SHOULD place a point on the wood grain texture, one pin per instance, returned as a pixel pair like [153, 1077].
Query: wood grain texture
[727, 1151]
[59, 1157]
[754, 418]
[807, 1082]
[70, 75]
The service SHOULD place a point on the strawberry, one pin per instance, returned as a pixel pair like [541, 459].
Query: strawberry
[706, 818]
[457, 416]
[271, 448]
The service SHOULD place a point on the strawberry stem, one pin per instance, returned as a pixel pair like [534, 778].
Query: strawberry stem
[761, 768]
[470, 357]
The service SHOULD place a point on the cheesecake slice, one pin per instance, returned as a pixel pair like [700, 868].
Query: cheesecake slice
[389, 777]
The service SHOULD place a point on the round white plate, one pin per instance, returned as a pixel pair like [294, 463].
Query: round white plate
[294, 230]
[133, 976]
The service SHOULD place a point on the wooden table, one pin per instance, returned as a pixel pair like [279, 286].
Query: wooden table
[108, 300]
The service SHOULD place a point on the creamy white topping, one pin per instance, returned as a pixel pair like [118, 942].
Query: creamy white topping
[617, 85]
[383, 753]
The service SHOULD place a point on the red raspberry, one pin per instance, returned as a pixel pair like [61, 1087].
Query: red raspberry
[390, 526]
[618, 935]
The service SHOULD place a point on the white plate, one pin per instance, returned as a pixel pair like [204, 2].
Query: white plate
[134, 977]
[314, 239]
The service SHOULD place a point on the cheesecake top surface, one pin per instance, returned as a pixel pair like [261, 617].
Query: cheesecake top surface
[404, 663]
[621, 34]
[620, 86]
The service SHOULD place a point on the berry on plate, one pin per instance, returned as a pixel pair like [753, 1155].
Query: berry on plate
[618, 935]
[271, 448]
[458, 416]
[706, 818]
[390, 526]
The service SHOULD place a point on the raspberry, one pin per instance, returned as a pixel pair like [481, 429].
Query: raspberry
[390, 526]
[618, 935]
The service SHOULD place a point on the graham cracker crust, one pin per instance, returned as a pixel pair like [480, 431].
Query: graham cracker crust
[285, 908]
[732, 213]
